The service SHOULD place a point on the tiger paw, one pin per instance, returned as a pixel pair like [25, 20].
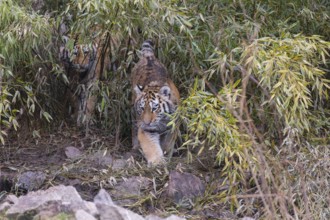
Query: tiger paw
[156, 162]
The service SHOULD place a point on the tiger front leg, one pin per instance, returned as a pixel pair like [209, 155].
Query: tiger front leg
[151, 148]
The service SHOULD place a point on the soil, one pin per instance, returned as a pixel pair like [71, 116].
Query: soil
[105, 163]
[47, 154]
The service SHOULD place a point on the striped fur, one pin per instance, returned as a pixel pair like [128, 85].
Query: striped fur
[152, 107]
[154, 98]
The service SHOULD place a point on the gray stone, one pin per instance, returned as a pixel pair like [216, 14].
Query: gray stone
[131, 187]
[171, 217]
[118, 164]
[31, 180]
[184, 186]
[72, 152]
[47, 215]
[64, 202]
[153, 217]
[103, 197]
[90, 207]
[12, 199]
[174, 217]
[83, 215]
[4, 206]
[59, 199]
[101, 160]
[114, 212]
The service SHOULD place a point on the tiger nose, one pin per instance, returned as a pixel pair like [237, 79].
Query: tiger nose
[147, 119]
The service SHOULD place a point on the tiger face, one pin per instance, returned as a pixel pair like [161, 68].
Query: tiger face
[83, 57]
[153, 107]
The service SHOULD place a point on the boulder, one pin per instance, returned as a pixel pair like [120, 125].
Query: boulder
[55, 199]
[101, 159]
[171, 217]
[103, 198]
[83, 215]
[64, 202]
[130, 187]
[72, 152]
[111, 212]
[184, 186]
[31, 180]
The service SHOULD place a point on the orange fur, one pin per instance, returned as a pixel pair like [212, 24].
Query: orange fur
[151, 86]
[84, 65]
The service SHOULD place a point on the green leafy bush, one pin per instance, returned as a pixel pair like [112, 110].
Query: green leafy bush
[258, 106]
[290, 68]
[25, 48]
[213, 130]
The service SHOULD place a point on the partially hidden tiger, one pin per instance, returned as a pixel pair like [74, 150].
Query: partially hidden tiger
[155, 98]
[84, 65]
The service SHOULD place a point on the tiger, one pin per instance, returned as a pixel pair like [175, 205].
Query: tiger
[154, 97]
[84, 65]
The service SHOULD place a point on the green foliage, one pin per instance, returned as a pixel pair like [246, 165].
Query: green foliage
[264, 46]
[126, 24]
[124, 18]
[261, 73]
[213, 130]
[24, 39]
[290, 69]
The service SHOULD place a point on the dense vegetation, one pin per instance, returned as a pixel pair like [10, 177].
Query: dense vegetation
[254, 77]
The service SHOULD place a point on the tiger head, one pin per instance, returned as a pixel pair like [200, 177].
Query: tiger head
[83, 57]
[153, 106]
[80, 58]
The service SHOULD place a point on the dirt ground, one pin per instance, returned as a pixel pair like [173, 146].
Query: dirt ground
[48, 154]
[89, 163]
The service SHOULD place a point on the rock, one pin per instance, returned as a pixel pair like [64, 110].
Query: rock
[104, 160]
[12, 199]
[184, 186]
[31, 180]
[72, 152]
[109, 211]
[153, 217]
[49, 215]
[101, 160]
[83, 215]
[118, 164]
[103, 197]
[8, 202]
[55, 199]
[171, 217]
[64, 202]
[4, 206]
[131, 187]
[174, 217]
[114, 212]
[90, 207]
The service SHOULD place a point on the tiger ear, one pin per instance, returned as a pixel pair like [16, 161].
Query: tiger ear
[138, 89]
[165, 90]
